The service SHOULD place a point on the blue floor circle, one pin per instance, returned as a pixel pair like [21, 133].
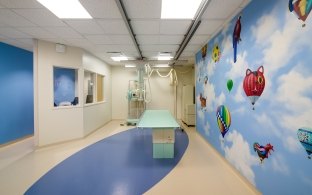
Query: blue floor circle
[120, 164]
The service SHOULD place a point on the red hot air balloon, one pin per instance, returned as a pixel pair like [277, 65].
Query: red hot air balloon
[254, 84]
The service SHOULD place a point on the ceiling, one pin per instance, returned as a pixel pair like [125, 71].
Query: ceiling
[21, 21]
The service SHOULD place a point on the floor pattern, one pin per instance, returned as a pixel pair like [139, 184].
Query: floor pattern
[120, 164]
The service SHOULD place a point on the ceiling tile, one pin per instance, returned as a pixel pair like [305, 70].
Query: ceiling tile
[115, 48]
[192, 48]
[121, 39]
[145, 27]
[110, 39]
[101, 8]
[147, 39]
[113, 26]
[160, 48]
[29, 41]
[209, 27]
[178, 27]
[86, 27]
[150, 54]
[199, 39]
[12, 33]
[186, 54]
[37, 32]
[99, 39]
[162, 39]
[221, 9]
[63, 32]
[82, 43]
[21, 3]
[9, 18]
[41, 17]
[147, 9]
[133, 54]
[55, 40]
[19, 44]
[170, 39]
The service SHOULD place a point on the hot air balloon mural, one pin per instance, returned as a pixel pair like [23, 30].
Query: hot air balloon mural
[236, 36]
[223, 119]
[202, 100]
[262, 151]
[302, 8]
[229, 84]
[216, 54]
[254, 84]
[204, 51]
[305, 138]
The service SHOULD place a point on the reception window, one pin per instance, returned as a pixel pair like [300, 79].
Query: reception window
[65, 86]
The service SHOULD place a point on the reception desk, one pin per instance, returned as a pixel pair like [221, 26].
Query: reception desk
[163, 125]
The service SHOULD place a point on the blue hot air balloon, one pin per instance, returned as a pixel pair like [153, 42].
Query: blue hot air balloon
[305, 138]
[223, 119]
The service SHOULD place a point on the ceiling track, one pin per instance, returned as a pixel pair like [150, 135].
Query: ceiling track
[126, 19]
[193, 27]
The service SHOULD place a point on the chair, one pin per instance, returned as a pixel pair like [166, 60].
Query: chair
[89, 99]
[75, 101]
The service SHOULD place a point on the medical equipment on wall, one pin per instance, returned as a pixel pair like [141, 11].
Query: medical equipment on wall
[140, 93]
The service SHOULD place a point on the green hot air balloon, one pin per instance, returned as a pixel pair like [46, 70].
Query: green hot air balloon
[229, 84]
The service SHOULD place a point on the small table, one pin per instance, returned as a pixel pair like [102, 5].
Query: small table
[163, 125]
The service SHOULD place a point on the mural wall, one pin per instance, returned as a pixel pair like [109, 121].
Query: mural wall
[254, 97]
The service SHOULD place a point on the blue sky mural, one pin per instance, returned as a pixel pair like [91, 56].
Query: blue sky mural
[274, 38]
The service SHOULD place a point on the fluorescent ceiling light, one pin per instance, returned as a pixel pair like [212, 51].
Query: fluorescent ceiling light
[69, 9]
[130, 65]
[119, 58]
[161, 65]
[179, 9]
[164, 58]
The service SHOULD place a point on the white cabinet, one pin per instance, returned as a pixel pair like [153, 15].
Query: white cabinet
[188, 106]
[189, 114]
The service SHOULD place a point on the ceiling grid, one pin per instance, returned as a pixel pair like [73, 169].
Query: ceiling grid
[107, 31]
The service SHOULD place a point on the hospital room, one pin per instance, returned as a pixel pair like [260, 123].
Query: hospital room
[155, 97]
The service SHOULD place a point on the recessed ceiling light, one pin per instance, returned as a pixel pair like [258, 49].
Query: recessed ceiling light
[130, 65]
[119, 58]
[164, 58]
[66, 9]
[179, 9]
[161, 65]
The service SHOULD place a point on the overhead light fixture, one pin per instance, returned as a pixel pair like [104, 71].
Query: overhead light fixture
[119, 58]
[179, 9]
[161, 65]
[164, 56]
[66, 9]
[130, 65]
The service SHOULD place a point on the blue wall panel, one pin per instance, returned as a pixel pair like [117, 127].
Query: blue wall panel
[16, 93]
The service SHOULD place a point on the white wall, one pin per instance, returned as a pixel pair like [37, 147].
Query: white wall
[97, 114]
[57, 124]
[162, 91]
